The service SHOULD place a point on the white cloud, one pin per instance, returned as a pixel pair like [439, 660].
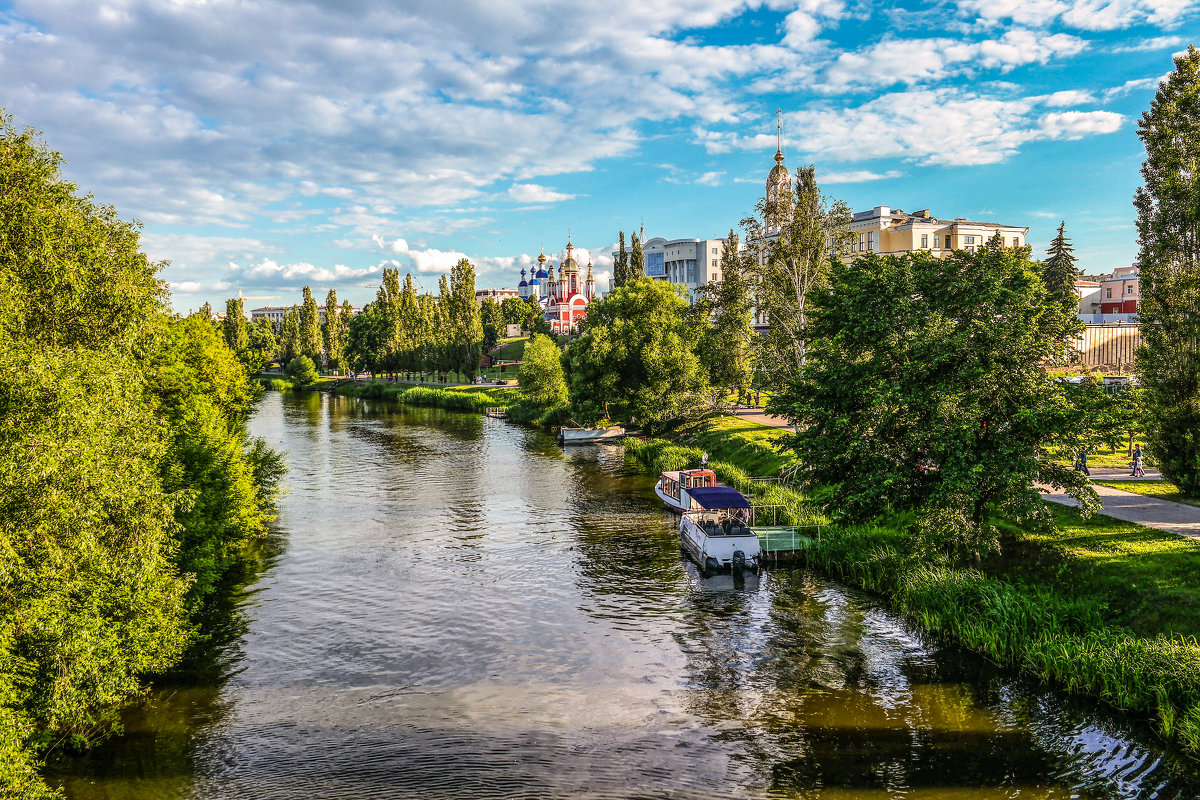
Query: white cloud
[710, 178]
[533, 193]
[1153, 43]
[1066, 98]
[1088, 15]
[857, 176]
[946, 127]
[1078, 124]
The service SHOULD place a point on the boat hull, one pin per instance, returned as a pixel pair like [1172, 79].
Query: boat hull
[668, 501]
[585, 435]
[718, 553]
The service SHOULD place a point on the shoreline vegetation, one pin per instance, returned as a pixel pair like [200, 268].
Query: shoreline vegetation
[1098, 607]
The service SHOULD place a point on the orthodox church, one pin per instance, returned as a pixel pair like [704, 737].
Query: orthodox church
[561, 294]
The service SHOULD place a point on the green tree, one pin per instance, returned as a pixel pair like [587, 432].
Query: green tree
[635, 357]
[310, 327]
[542, 379]
[234, 327]
[637, 260]
[464, 318]
[800, 233]
[1058, 275]
[364, 340]
[730, 342]
[263, 347]
[206, 311]
[515, 311]
[1168, 226]
[289, 335]
[344, 315]
[621, 263]
[925, 392]
[333, 333]
[72, 273]
[302, 372]
[492, 319]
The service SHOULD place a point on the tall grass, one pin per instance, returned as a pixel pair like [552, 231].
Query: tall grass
[276, 384]
[476, 401]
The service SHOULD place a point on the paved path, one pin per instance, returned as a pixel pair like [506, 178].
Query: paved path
[757, 415]
[1149, 511]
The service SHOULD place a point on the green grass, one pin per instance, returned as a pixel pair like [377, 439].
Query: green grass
[474, 398]
[511, 350]
[749, 445]
[1162, 490]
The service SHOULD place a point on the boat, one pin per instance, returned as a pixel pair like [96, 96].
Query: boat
[677, 489]
[581, 435]
[719, 540]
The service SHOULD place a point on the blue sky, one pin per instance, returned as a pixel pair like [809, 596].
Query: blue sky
[270, 144]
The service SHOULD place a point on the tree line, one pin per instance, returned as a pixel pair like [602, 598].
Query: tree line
[128, 483]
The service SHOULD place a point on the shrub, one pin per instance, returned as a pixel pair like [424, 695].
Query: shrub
[302, 371]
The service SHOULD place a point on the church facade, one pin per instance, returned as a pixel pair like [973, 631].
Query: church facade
[561, 293]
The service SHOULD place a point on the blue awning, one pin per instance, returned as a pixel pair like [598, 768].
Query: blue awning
[716, 497]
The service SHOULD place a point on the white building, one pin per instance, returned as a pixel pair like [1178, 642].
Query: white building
[690, 263]
[275, 313]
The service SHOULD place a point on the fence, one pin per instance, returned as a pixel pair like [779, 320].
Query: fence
[1109, 346]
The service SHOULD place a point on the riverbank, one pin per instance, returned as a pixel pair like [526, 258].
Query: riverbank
[1098, 607]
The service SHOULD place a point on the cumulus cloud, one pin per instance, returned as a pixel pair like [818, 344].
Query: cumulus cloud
[945, 127]
[532, 193]
[857, 176]
[1088, 15]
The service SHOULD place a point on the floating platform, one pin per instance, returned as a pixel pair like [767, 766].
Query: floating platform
[785, 543]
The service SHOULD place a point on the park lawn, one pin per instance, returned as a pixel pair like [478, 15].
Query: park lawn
[510, 350]
[749, 445]
[1138, 578]
[1163, 490]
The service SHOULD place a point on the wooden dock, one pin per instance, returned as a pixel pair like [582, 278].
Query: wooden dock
[785, 543]
[498, 412]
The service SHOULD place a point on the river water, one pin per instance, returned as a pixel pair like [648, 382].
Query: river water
[454, 607]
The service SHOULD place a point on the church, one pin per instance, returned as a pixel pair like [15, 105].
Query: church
[561, 295]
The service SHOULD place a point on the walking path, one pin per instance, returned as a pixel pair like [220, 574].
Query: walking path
[1151, 512]
[757, 415]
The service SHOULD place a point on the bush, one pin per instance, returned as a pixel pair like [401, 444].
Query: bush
[302, 371]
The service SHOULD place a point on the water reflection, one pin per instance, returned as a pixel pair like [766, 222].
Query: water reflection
[462, 609]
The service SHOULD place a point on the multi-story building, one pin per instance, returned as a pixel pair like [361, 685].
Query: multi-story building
[691, 263]
[889, 231]
[275, 313]
[1120, 293]
[499, 295]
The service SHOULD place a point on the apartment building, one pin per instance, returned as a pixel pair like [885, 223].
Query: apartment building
[691, 263]
[1120, 293]
[887, 231]
[275, 313]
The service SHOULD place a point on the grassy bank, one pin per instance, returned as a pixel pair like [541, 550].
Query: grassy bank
[1162, 490]
[1098, 607]
[474, 399]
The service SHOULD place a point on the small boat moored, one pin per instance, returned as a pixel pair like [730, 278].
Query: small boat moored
[678, 489]
[583, 435]
[720, 540]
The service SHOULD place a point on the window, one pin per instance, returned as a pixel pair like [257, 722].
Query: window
[1129, 289]
[925, 240]
[969, 240]
[862, 242]
[948, 240]
[714, 251]
[936, 238]
[1108, 293]
[1016, 241]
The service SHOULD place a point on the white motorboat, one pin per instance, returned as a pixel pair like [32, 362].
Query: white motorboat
[719, 540]
[677, 489]
[584, 435]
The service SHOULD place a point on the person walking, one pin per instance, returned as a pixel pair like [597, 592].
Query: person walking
[1081, 463]
[1137, 463]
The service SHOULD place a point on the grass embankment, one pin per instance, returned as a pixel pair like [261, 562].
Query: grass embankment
[1098, 607]
[475, 399]
[1162, 490]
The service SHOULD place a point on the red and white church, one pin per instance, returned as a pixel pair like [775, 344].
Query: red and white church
[561, 295]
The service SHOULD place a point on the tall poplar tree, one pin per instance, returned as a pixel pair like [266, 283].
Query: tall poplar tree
[310, 328]
[442, 344]
[344, 316]
[387, 298]
[1168, 225]
[410, 346]
[465, 318]
[637, 260]
[289, 335]
[234, 328]
[332, 334]
[621, 264]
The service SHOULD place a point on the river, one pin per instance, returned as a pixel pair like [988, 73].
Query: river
[454, 607]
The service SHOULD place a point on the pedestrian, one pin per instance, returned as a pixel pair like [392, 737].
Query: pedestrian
[1081, 463]
[704, 459]
[1137, 461]
[757, 399]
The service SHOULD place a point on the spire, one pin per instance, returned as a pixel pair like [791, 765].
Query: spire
[779, 136]
[542, 257]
